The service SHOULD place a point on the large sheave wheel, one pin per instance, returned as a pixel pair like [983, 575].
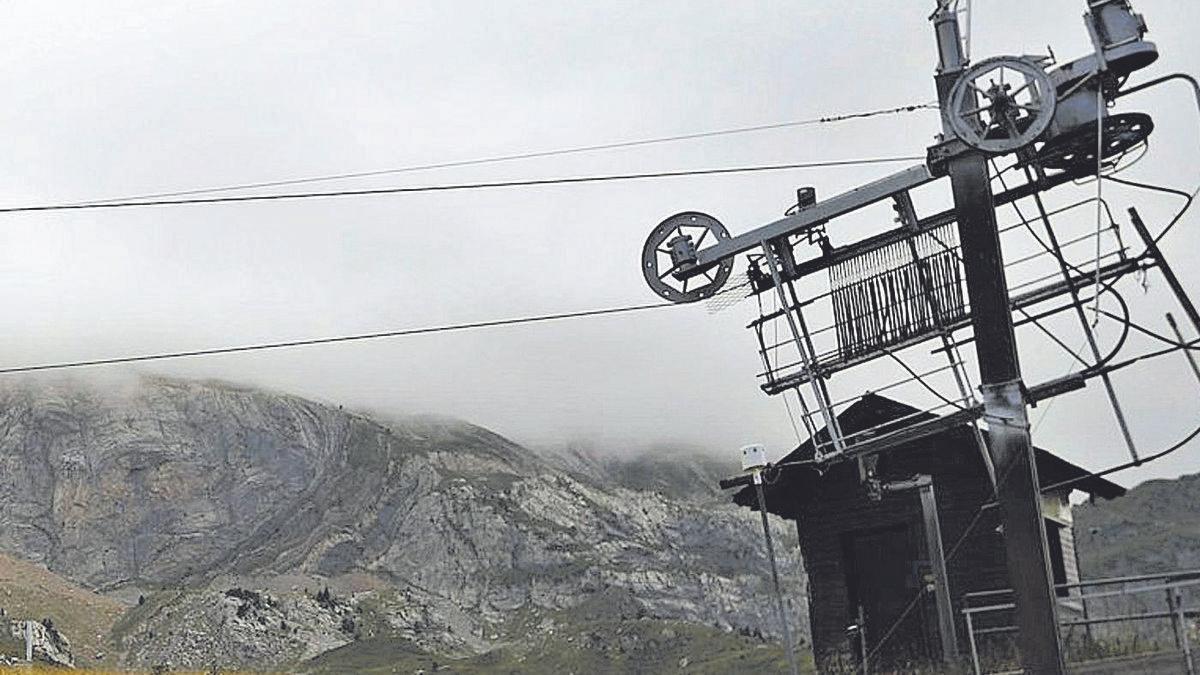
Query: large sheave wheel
[668, 258]
[1001, 104]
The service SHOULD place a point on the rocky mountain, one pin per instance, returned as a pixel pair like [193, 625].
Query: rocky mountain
[254, 529]
[1154, 528]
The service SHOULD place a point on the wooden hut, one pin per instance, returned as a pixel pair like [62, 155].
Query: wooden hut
[865, 557]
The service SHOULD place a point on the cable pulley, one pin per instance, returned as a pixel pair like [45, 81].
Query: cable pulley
[669, 258]
[1001, 104]
[1077, 149]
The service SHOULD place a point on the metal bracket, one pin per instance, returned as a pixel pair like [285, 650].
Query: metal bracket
[913, 483]
[938, 156]
[1004, 403]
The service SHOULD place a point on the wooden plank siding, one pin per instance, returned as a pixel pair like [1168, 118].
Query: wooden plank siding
[836, 504]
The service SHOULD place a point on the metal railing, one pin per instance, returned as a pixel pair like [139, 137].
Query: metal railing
[1142, 605]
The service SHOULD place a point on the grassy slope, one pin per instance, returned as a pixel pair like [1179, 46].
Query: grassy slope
[29, 591]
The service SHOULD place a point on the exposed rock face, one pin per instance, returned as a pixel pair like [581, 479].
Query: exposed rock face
[176, 484]
[238, 628]
[49, 645]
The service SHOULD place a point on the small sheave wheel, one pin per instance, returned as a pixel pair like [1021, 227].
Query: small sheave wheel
[1076, 149]
[668, 258]
[1001, 104]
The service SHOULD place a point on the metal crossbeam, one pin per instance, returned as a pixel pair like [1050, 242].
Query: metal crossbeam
[838, 205]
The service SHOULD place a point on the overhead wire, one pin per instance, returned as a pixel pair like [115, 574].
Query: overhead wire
[920, 379]
[1149, 186]
[1113, 367]
[156, 200]
[1127, 465]
[307, 342]
[567, 180]
[539, 154]
[1146, 331]
[315, 341]
[1028, 317]
[1188, 197]
[1066, 265]
[1126, 319]
[1195, 85]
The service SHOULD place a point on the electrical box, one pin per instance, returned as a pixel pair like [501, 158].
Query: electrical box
[754, 457]
[806, 197]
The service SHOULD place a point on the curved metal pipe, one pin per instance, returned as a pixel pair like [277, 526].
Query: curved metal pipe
[1165, 78]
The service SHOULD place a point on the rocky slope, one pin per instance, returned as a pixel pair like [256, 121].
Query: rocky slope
[230, 510]
[1155, 527]
[29, 592]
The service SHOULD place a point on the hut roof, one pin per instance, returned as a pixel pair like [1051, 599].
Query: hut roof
[873, 410]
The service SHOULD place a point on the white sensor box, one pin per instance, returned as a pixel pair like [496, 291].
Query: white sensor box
[754, 457]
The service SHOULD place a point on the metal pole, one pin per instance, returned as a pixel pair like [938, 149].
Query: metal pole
[1083, 600]
[1187, 352]
[1172, 281]
[809, 360]
[1083, 322]
[787, 632]
[862, 640]
[29, 641]
[967, 34]
[1175, 625]
[835, 428]
[1026, 551]
[1187, 644]
[971, 640]
[937, 560]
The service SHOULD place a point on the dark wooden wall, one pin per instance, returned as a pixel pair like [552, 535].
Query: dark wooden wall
[835, 504]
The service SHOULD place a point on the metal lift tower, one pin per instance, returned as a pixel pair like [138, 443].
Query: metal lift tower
[903, 287]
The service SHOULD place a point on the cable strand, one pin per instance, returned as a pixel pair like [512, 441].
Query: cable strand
[518, 156]
[308, 342]
[569, 180]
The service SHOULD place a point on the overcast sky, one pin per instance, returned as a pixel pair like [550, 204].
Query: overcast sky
[116, 98]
